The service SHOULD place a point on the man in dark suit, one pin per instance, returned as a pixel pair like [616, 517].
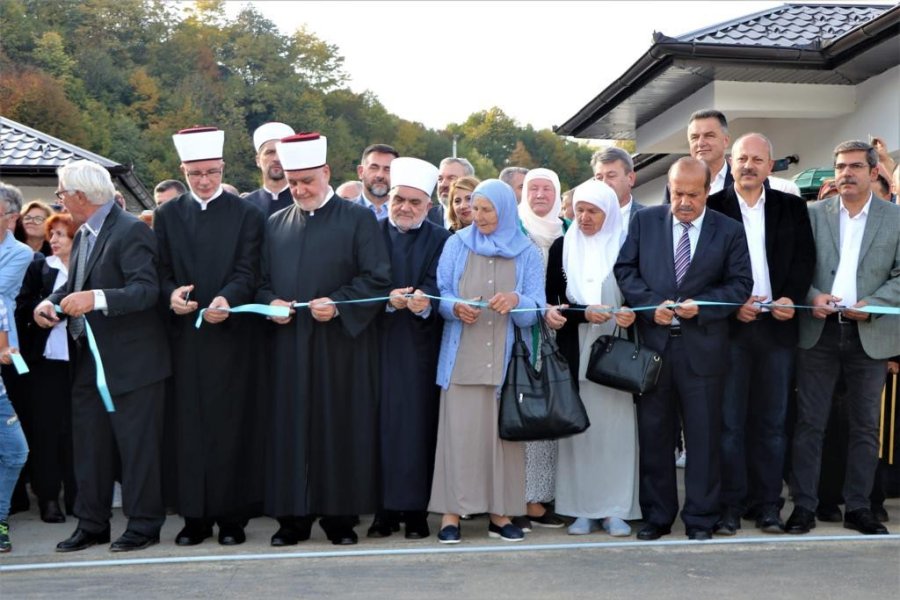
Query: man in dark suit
[113, 285]
[707, 133]
[679, 254]
[763, 337]
[614, 167]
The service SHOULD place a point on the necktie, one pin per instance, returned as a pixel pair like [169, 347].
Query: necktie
[76, 324]
[683, 254]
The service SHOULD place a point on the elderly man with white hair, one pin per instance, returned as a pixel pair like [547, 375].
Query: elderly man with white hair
[113, 288]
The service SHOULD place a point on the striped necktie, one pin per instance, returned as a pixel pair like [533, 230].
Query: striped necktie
[683, 254]
[76, 324]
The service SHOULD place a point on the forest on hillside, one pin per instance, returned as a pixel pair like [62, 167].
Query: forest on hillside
[119, 77]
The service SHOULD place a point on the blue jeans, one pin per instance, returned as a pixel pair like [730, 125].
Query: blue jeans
[754, 410]
[13, 452]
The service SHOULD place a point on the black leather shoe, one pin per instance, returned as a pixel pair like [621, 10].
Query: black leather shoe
[652, 531]
[880, 513]
[829, 513]
[699, 534]
[231, 535]
[863, 521]
[417, 526]
[51, 512]
[728, 524]
[769, 521]
[82, 539]
[132, 540]
[292, 531]
[192, 535]
[800, 521]
[385, 524]
[339, 530]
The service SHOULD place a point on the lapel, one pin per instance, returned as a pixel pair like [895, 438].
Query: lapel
[669, 250]
[771, 213]
[833, 220]
[707, 234]
[873, 223]
[105, 230]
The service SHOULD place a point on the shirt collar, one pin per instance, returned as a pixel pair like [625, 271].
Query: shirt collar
[759, 203]
[371, 205]
[203, 203]
[275, 195]
[723, 171]
[627, 207]
[698, 222]
[95, 222]
[864, 211]
[328, 197]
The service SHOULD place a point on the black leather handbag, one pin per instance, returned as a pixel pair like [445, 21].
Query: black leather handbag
[623, 364]
[540, 405]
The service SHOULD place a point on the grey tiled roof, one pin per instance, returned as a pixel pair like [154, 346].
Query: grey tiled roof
[21, 146]
[789, 26]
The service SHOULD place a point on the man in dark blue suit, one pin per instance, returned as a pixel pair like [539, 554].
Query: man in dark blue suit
[680, 254]
[614, 167]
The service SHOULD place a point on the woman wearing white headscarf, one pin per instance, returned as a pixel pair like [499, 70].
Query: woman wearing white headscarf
[539, 214]
[597, 478]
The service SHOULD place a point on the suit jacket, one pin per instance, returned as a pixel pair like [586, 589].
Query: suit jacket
[635, 207]
[130, 333]
[877, 274]
[719, 271]
[790, 249]
[37, 285]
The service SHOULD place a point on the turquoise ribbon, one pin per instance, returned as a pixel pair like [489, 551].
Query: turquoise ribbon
[102, 387]
[265, 310]
[19, 363]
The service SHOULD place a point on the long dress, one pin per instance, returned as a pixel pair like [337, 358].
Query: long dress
[475, 471]
[597, 473]
[323, 429]
[218, 407]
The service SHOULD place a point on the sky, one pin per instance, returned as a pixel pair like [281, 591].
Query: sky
[437, 62]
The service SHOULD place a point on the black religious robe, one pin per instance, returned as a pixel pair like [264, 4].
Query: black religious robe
[323, 429]
[408, 359]
[263, 200]
[219, 411]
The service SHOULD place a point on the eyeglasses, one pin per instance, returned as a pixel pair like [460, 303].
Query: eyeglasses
[63, 193]
[852, 166]
[211, 173]
[37, 220]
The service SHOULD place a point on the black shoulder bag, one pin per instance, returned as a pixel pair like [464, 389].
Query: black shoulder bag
[623, 364]
[540, 405]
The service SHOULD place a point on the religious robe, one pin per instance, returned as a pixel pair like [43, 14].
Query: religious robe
[408, 356]
[219, 411]
[323, 430]
[262, 199]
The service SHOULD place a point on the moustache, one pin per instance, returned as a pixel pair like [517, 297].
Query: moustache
[847, 180]
[746, 172]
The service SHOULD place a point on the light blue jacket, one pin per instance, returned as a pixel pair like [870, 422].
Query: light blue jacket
[14, 260]
[529, 287]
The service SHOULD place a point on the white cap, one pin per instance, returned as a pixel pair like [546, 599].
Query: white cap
[270, 131]
[302, 151]
[199, 143]
[415, 173]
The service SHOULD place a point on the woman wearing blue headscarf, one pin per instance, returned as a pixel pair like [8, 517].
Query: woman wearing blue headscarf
[490, 261]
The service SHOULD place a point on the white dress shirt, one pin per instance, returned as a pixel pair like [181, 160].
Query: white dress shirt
[852, 229]
[693, 233]
[204, 203]
[718, 182]
[754, 218]
[57, 347]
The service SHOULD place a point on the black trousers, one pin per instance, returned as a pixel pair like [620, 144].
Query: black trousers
[698, 400]
[838, 353]
[135, 430]
[51, 430]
